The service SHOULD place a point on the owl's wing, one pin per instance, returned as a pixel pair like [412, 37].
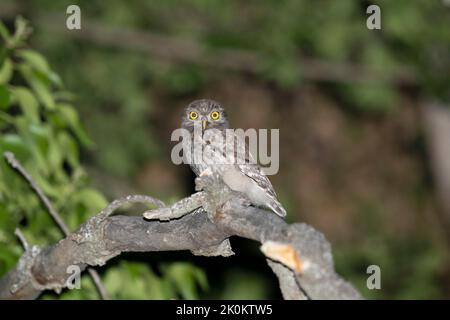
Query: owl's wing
[262, 186]
[248, 177]
[252, 170]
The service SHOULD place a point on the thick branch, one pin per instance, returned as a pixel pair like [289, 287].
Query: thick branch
[102, 238]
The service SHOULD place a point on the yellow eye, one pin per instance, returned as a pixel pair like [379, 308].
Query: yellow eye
[193, 115]
[215, 115]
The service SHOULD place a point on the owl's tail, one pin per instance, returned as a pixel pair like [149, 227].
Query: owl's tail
[276, 207]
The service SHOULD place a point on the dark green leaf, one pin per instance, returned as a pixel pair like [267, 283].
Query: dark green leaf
[40, 87]
[4, 33]
[35, 60]
[6, 71]
[27, 102]
[69, 147]
[71, 117]
[15, 144]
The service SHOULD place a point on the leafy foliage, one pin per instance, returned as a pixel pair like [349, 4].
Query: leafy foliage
[40, 125]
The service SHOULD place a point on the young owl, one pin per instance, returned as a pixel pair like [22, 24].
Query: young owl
[208, 118]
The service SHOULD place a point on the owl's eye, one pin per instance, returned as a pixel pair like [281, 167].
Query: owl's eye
[193, 115]
[215, 115]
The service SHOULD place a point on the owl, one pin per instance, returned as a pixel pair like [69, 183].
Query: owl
[209, 118]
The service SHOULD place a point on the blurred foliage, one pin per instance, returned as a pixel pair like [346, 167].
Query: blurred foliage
[281, 31]
[413, 274]
[41, 126]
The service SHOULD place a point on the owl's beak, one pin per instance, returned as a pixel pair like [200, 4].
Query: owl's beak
[204, 122]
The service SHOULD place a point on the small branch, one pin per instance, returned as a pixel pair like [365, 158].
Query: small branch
[128, 200]
[98, 283]
[22, 239]
[177, 210]
[14, 163]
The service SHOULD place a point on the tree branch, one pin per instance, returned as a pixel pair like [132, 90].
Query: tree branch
[104, 237]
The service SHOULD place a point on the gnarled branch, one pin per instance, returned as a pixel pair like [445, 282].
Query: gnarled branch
[103, 237]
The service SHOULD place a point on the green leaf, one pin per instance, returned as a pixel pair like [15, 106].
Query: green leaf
[4, 97]
[6, 71]
[35, 60]
[92, 199]
[71, 117]
[22, 31]
[15, 144]
[28, 103]
[40, 64]
[40, 144]
[4, 33]
[184, 277]
[8, 258]
[69, 147]
[35, 137]
[201, 278]
[39, 85]
[49, 189]
[55, 156]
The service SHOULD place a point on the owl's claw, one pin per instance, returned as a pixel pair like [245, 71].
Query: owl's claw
[199, 184]
[205, 180]
[206, 172]
[244, 202]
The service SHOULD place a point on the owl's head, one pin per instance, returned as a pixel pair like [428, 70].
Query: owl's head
[207, 114]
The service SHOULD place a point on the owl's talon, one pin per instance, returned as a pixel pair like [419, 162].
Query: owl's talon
[245, 202]
[206, 172]
[199, 185]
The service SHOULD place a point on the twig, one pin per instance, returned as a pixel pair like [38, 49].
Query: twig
[98, 283]
[14, 163]
[18, 166]
[22, 239]
[138, 198]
